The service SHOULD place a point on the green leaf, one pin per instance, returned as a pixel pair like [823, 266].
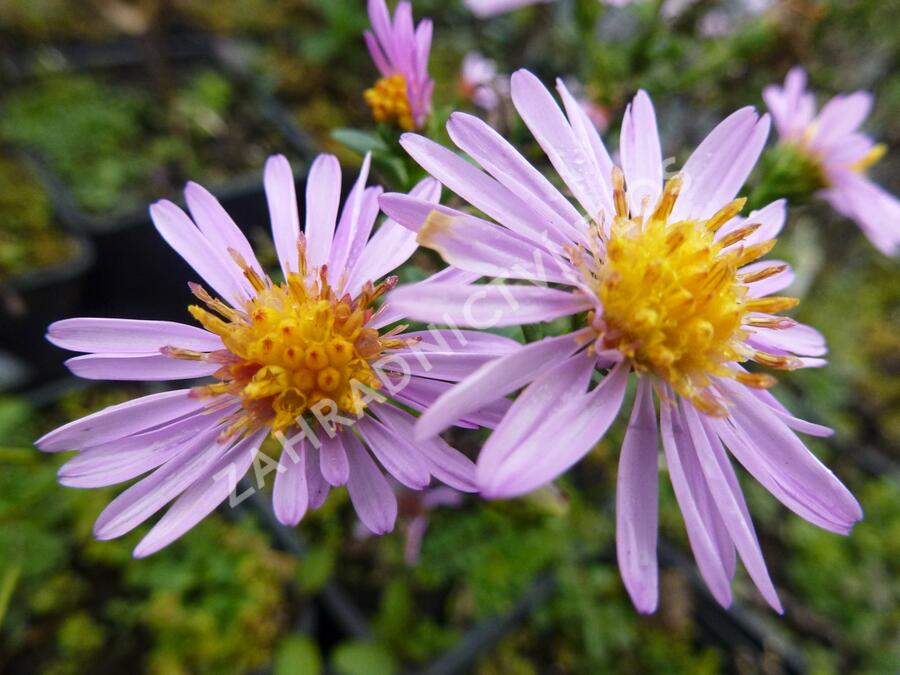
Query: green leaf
[297, 655]
[8, 584]
[362, 658]
[315, 569]
[360, 141]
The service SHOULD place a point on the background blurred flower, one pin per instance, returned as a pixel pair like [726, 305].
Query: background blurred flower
[837, 154]
[300, 358]
[478, 81]
[662, 281]
[400, 52]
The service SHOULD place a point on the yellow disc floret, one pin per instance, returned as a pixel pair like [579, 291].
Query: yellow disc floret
[674, 303]
[389, 102]
[295, 347]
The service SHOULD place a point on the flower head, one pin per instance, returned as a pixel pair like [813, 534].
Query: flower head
[400, 51]
[837, 155]
[310, 360]
[478, 81]
[660, 280]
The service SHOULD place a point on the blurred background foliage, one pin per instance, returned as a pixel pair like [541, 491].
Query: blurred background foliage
[226, 598]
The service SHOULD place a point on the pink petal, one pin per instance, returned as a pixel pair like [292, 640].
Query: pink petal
[487, 249]
[355, 225]
[202, 498]
[150, 494]
[556, 441]
[799, 339]
[281, 196]
[210, 263]
[290, 495]
[714, 172]
[121, 460]
[876, 211]
[217, 226]
[587, 135]
[637, 503]
[421, 393]
[473, 185]
[445, 463]
[140, 367]
[641, 154]
[392, 244]
[371, 494]
[317, 486]
[486, 306]
[397, 455]
[575, 163]
[705, 548]
[773, 284]
[333, 462]
[770, 219]
[129, 335]
[496, 380]
[730, 505]
[840, 117]
[771, 452]
[500, 159]
[121, 420]
[323, 198]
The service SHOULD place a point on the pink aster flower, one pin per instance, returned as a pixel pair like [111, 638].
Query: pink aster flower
[478, 81]
[840, 153]
[659, 281]
[311, 361]
[400, 51]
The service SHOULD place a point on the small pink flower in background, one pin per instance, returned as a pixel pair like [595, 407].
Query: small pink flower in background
[478, 81]
[311, 361]
[661, 280]
[400, 51]
[840, 152]
[414, 511]
[418, 507]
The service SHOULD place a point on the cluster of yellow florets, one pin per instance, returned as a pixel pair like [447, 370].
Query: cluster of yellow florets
[389, 102]
[673, 301]
[294, 347]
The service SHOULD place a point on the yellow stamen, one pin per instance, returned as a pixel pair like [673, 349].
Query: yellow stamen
[764, 273]
[674, 303]
[739, 235]
[775, 361]
[725, 214]
[872, 157]
[756, 380]
[292, 347]
[618, 181]
[389, 102]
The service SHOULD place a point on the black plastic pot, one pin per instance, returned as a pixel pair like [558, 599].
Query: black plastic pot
[137, 274]
[35, 299]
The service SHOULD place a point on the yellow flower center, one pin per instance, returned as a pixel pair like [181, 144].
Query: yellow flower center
[389, 102]
[295, 347]
[674, 303]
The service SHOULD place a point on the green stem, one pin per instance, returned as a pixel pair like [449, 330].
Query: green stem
[533, 332]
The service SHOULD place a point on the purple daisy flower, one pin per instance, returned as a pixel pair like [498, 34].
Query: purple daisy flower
[840, 153]
[660, 280]
[308, 360]
[400, 51]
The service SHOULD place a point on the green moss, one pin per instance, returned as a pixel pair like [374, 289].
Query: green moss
[29, 238]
